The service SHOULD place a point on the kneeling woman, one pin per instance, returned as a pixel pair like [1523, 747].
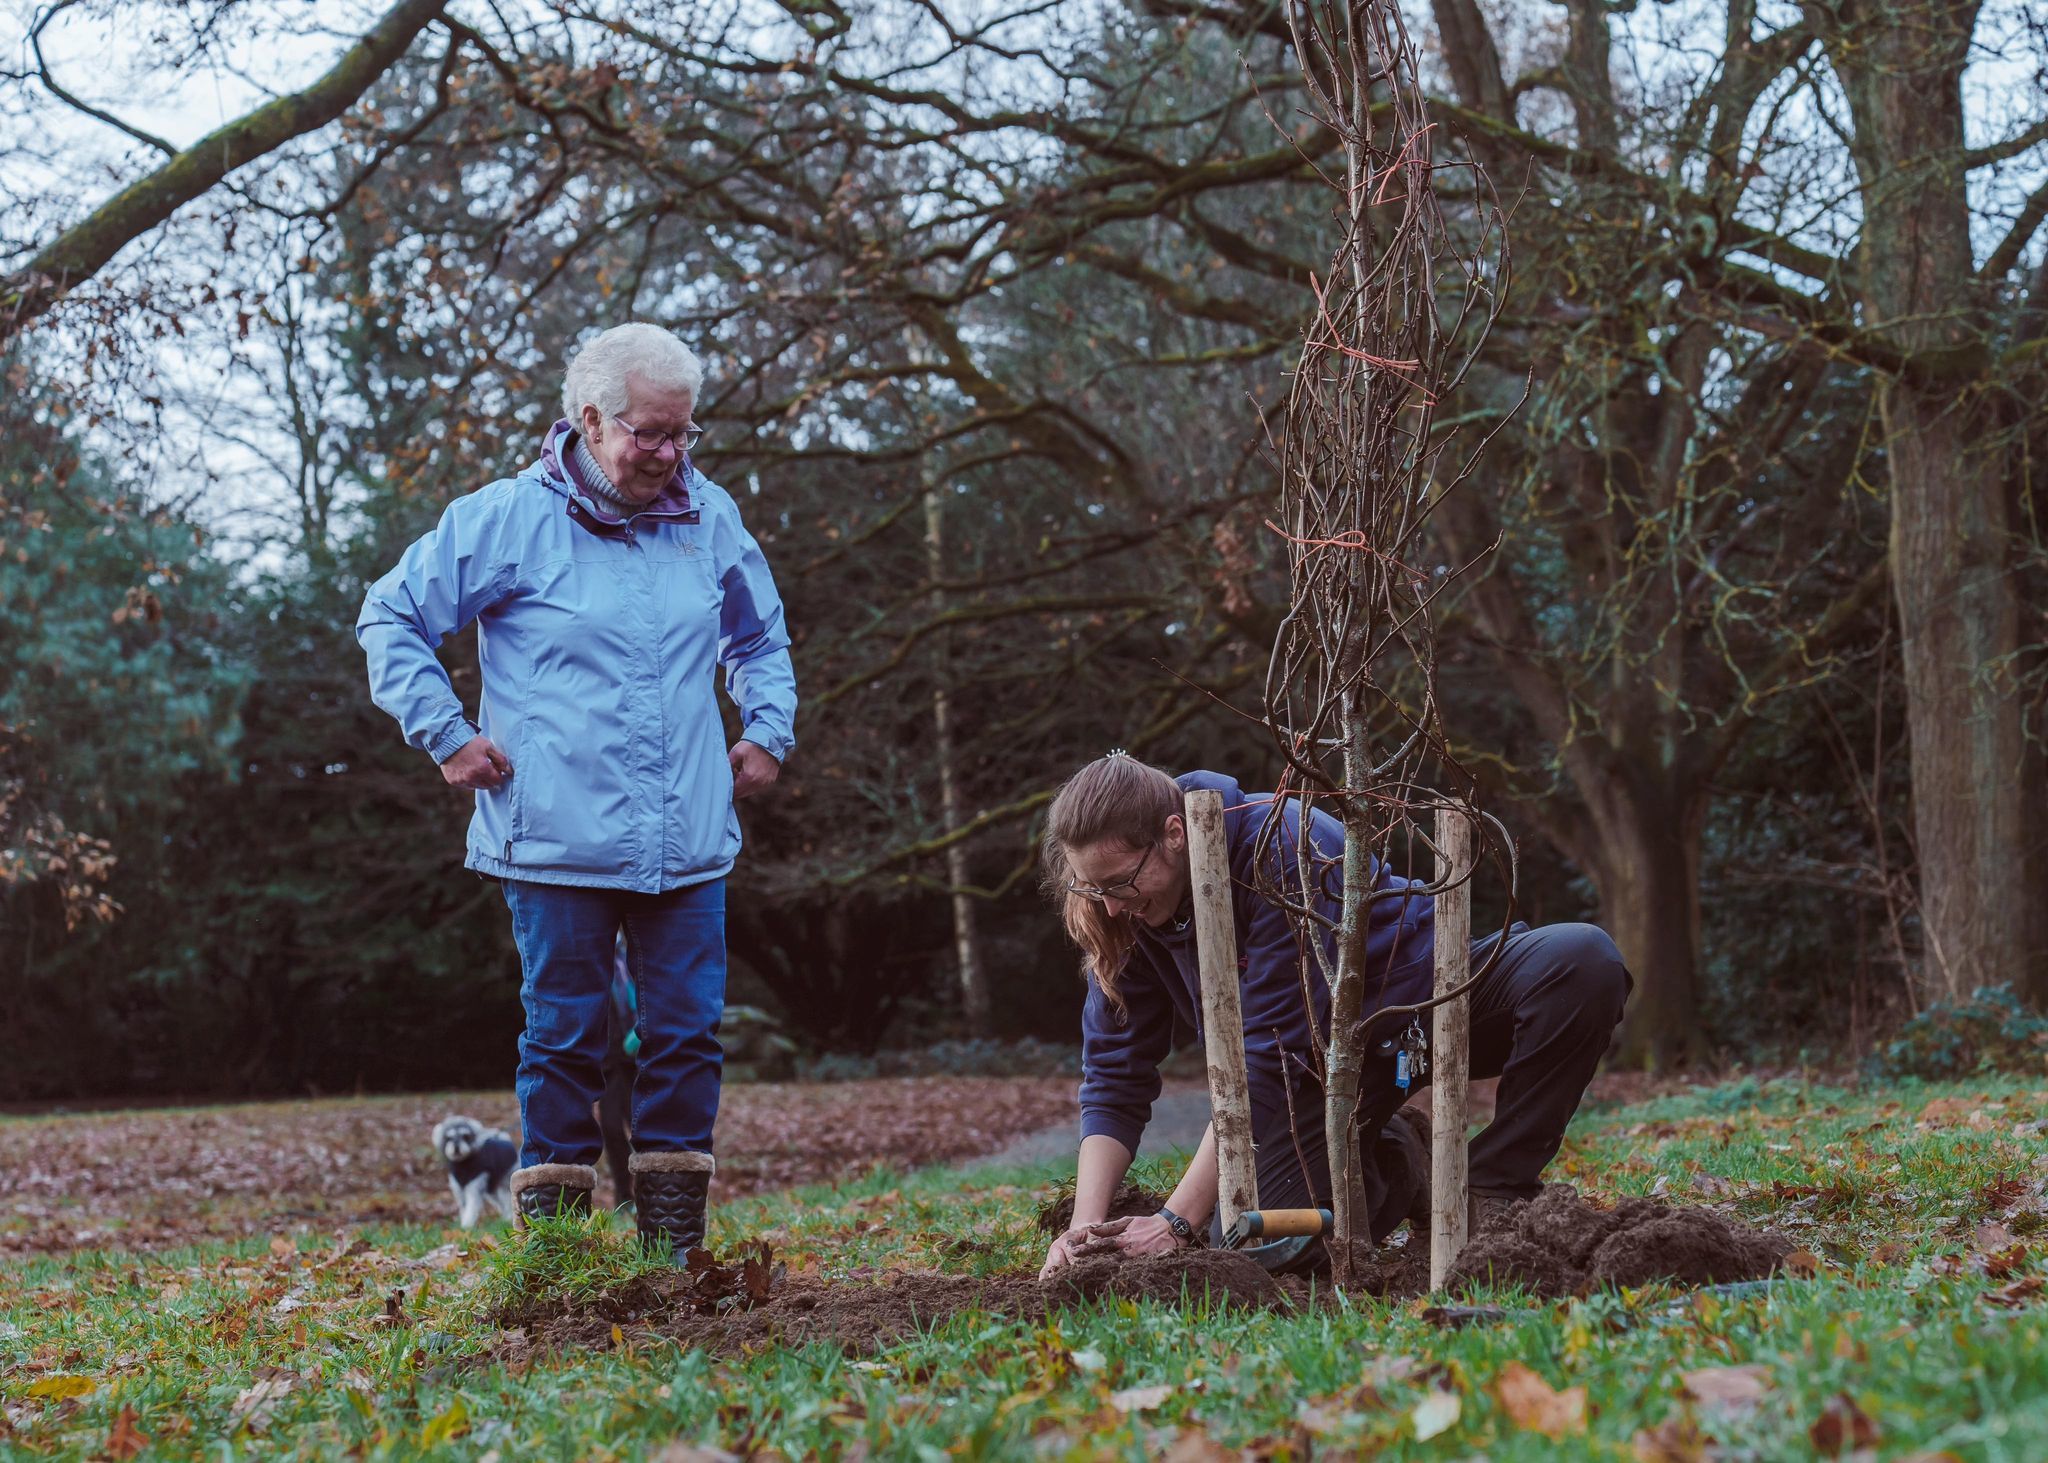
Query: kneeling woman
[1116, 861]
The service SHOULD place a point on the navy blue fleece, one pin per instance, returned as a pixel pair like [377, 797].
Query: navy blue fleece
[1161, 983]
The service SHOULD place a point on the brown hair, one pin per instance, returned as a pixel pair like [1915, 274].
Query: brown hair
[1115, 797]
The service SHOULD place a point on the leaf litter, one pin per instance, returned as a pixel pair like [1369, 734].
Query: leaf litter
[81, 1181]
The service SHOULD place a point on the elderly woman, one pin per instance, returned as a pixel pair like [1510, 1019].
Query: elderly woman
[605, 580]
[1116, 862]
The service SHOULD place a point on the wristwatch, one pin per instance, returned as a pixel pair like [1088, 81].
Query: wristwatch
[1182, 1230]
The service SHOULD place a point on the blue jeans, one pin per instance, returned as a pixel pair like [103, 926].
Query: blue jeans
[567, 938]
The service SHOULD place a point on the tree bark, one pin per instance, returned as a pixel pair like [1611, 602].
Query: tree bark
[974, 993]
[1953, 549]
[1230, 1102]
[1644, 859]
[1450, 1047]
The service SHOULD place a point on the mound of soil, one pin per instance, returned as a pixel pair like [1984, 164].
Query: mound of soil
[1558, 1245]
[1219, 1277]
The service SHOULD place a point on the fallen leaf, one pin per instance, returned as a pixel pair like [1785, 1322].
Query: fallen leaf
[1534, 1406]
[257, 1401]
[62, 1386]
[2017, 1294]
[1842, 1425]
[453, 1422]
[694, 1453]
[1088, 1359]
[1192, 1445]
[1802, 1262]
[1732, 1390]
[126, 1440]
[1677, 1439]
[1318, 1418]
[1436, 1413]
[2006, 1262]
[1992, 1236]
[1944, 1110]
[1140, 1399]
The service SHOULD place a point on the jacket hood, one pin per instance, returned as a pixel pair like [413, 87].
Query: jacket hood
[557, 472]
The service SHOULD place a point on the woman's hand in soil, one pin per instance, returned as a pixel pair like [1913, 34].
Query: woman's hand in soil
[1065, 1249]
[1144, 1235]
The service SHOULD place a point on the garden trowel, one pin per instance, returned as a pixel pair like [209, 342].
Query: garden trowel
[1277, 1238]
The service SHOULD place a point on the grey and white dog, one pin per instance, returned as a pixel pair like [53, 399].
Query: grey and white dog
[480, 1163]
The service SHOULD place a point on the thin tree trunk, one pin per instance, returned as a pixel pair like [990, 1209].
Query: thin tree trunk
[974, 994]
[1450, 1047]
[1230, 1103]
[1344, 1064]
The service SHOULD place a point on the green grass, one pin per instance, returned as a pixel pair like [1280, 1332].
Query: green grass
[370, 1342]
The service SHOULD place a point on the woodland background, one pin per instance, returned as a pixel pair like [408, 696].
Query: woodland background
[999, 302]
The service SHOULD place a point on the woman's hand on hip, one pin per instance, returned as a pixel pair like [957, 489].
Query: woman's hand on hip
[478, 767]
[753, 770]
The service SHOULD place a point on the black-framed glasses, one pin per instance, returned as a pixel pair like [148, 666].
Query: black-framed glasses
[1124, 888]
[649, 440]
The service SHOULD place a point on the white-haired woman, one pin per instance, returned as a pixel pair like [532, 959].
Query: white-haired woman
[606, 580]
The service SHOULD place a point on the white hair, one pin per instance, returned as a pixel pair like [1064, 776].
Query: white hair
[597, 375]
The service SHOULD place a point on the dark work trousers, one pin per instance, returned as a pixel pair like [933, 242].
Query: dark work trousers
[1541, 1020]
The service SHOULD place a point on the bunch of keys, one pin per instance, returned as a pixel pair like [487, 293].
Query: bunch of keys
[1412, 1060]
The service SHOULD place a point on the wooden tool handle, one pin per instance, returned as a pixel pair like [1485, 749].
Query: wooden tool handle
[1285, 1223]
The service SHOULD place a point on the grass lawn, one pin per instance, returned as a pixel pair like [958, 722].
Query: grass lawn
[1920, 1332]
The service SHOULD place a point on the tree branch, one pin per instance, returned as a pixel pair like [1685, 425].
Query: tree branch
[81, 251]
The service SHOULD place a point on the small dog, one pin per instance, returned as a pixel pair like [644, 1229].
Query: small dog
[480, 1163]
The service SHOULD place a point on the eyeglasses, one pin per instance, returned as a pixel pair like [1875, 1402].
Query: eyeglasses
[1124, 888]
[648, 440]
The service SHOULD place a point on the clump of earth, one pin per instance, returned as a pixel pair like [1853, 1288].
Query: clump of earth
[1557, 1244]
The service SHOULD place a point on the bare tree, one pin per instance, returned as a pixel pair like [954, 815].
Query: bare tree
[1351, 696]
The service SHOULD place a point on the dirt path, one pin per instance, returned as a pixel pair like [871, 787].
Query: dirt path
[146, 1179]
[1178, 1119]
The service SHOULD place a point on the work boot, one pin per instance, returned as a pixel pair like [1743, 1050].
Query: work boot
[1481, 1207]
[1418, 1146]
[669, 1191]
[1483, 1210]
[551, 1190]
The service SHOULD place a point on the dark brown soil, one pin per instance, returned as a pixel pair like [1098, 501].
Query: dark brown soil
[865, 1318]
[1559, 1245]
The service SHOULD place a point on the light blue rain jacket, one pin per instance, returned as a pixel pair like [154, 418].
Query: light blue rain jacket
[597, 640]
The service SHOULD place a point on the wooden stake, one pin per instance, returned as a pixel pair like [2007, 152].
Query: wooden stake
[1230, 1102]
[1449, 1046]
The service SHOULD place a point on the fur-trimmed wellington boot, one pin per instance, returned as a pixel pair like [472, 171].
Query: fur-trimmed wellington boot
[669, 1192]
[548, 1190]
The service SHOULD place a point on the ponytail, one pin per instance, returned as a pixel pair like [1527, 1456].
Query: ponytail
[1114, 797]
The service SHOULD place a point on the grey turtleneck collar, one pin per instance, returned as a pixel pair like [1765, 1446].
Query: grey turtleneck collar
[598, 484]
